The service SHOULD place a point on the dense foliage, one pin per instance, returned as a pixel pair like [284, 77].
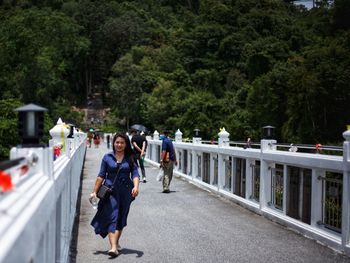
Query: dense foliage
[205, 64]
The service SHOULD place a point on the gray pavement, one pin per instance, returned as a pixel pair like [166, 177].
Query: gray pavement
[191, 225]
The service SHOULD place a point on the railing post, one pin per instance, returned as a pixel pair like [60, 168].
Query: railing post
[249, 178]
[221, 171]
[212, 171]
[223, 141]
[154, 146]
[178, 136]
[265, 171]
[346, 188]
[70, 146]
[194, 164]
[196, 137]
[224, 138]
[149, 146]
[316, 197]
[156, 135]
[59, 134]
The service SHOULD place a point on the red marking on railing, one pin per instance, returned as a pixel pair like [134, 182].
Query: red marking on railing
[5, 182]
[23, 170]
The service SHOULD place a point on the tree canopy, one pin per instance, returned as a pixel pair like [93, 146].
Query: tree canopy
[238, 64]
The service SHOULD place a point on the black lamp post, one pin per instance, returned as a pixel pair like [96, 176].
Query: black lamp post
[268, 132]
[31, 124]
[71, 130]
[196, 133]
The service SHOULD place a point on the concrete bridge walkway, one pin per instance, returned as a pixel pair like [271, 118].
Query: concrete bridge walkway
[190, 225]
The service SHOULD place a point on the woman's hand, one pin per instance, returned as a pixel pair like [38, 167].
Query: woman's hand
[135, 192]
[92, 195]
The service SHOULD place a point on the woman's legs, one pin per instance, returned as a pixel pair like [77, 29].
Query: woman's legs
[114, 239]
[118, 235]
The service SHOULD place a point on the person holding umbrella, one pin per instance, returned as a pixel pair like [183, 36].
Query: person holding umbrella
[139, 128]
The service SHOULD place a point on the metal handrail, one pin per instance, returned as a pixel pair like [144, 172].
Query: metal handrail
[311, 147]
[284, 145]
[11, 163]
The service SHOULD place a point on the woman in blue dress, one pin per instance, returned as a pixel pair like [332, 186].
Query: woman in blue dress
[118, 167]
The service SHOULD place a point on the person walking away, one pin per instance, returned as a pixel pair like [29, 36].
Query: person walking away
[146, 143]
[167, 161]
[108, 139]
[118, 170]
[90, 136]
[139, 142]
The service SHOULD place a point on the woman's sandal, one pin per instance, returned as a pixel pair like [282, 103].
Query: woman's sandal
[113, 253]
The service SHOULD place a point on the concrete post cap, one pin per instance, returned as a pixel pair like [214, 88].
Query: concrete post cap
[178, 132]
[59, 121]
[346, 135]
[223, 133]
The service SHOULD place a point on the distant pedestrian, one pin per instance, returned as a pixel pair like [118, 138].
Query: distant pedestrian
[140, 144]
[90, 136]
[118, 170]
[318, 147]
[96, 140]
[248, 143]
[167, 161]
[293, 148]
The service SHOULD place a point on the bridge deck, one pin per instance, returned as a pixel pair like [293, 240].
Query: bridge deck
[191, 225]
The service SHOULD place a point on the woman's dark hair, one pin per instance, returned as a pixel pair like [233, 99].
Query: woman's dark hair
[128, 152]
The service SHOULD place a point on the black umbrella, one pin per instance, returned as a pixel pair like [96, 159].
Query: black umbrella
[138, 127]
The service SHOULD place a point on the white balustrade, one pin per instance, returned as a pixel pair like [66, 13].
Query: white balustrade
[295, 189]
[37, 216]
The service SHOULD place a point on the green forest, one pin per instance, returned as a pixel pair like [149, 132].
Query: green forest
[206, 64]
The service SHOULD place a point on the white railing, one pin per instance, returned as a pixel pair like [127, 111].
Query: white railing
[306, 192]
[37, 215]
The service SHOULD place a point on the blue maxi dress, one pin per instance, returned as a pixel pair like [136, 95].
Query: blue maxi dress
[112, 213]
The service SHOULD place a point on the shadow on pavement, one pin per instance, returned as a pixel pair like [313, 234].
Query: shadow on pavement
[171, 191]
[124, 251]
[127, 251]
[99, 252]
